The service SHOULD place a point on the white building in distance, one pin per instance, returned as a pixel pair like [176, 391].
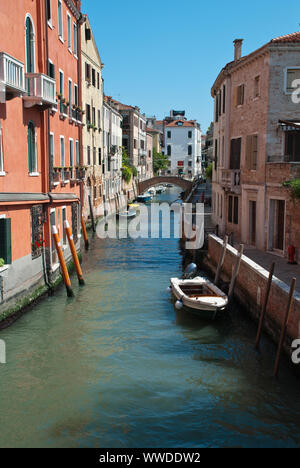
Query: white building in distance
[183, 147]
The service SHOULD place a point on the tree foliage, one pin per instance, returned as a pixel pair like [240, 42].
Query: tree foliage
[160, 161]
[294, 186]
[209, 171]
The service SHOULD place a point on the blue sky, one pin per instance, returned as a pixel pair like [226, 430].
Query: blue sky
[166, 54]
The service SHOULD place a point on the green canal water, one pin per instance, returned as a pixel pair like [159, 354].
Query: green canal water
[118, 367]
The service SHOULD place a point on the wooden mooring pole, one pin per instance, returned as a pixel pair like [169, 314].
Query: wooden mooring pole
[92, 214]
[85, 236]
[62, 261]
[221, 261]
[235, 272]
[74, 253]
[284, 325]
[265, 304]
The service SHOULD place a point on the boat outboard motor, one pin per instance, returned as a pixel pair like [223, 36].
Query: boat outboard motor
[190, 271]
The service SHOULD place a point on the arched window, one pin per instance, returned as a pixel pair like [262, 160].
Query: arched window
[29, 45]
[31, 145]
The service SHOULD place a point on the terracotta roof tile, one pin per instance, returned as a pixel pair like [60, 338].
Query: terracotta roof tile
[294, 37]
[185, 123]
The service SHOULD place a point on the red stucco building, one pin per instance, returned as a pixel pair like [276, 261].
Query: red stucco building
[40, 138]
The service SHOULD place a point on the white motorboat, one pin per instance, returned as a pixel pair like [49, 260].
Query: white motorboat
[131, 213]
[199, 296]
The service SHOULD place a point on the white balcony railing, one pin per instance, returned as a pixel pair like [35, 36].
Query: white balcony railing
[41, 87]
[12, 74]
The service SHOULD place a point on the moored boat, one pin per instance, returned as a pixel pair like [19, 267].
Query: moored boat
[144, 198]
[131, 213]
[199, 296]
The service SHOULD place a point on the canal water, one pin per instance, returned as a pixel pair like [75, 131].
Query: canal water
[118, 367]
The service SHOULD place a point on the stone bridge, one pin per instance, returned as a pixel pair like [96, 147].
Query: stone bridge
[185, 184]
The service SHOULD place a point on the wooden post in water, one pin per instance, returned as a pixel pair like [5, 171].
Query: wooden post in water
[221, 261]
[92, 214]
[63, 265]
[284, 325]
[74, 253]
[264, 308]
[85, 236]
[235, 272]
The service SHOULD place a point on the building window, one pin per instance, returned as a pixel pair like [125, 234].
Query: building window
[76, 94]
[233, 209]
[70, 97]
[99, 119]
[94, 156]
[89, 155]
[95, 191]
[216, 154]
[224, 99]
[100, 191]
[75, 40]
[292, 74]
[30, 46]
[257, 86]
[60, 19]
[292, 146]
[51, 69]
[98, 80]
[36, 213]
[239, 95]
[61, 83]
[48, 11]
[217, 108]
[169, 134]
[94, 116]
[235, 153]
[190, 134]
[31, 144]
[77, 153]
[190, 150]
[99, 157]
[94, 77]
[87, 72]
[71, 152]
[169, 150]
[134, 143]
[88, 114]
[75, 220]
[64, 218]
[1, 150]
[251, 152]
[69, 32]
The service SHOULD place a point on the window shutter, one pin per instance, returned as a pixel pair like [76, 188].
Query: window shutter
[254, 152]
[235, 96]
[249, 151]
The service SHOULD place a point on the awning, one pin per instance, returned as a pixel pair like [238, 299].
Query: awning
[289, 125]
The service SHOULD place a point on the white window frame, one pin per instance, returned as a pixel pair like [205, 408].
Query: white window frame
[2, 172]
[76, 95]
[75, 40]
[69, 32]
[70, 96]
[285, 79]
[77, 153]
[73, 165]
[63, 81]
[50, 19]
[35, 172]
[62, 138]
[60, 33]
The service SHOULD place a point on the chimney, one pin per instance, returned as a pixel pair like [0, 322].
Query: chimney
[237, 49]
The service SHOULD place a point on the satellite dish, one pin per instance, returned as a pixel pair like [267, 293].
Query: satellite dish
[190, 271]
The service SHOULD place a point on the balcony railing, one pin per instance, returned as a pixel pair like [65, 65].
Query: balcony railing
[12, 75]
[231, 179]
[80, 173]
[41, 90]
[63, 108]
[286, 158]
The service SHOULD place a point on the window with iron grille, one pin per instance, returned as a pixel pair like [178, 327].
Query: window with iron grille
[36, 231]
[75, 209]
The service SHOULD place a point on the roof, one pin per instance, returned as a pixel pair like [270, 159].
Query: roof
[288, 38]
[183, 123]
[120, 106]
[294, 37]
[152, 130]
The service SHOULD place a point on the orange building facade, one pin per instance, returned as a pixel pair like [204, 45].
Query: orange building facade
[40, 139]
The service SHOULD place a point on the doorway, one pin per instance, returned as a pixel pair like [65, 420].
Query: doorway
[276, 225]
[53, 249]
[252, 222]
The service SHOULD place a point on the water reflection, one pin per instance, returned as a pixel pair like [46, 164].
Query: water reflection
[119, 367]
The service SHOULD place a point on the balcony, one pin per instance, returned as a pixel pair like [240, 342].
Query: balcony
[41, 91]
[12, 78]
[63, 110]
[283, 159]
[231, 180]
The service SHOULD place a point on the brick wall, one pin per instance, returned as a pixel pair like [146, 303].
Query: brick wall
[250, 290]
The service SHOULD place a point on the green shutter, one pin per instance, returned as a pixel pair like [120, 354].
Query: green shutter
[5, 240]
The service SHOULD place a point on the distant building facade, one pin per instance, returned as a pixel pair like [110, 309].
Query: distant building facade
[92, 138]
